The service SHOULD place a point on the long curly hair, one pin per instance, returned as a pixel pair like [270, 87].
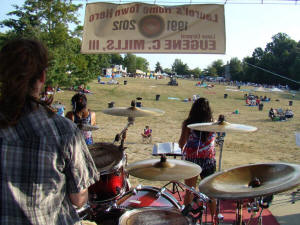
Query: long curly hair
[22, 62]
[199, 113]
[79, 102]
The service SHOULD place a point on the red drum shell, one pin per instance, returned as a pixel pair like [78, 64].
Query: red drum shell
[110, 161]
[146, 196]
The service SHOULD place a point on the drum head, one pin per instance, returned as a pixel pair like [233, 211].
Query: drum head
[105, 155]
[153, 216]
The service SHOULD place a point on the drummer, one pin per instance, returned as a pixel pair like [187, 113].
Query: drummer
[46, 167]
[82, 115]
[199, 147]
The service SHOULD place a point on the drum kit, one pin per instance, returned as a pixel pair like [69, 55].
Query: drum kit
[113, 201]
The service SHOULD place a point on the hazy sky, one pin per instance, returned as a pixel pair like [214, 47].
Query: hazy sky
[247, 26]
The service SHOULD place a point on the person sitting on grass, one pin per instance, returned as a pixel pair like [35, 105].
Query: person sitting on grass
[147, 132]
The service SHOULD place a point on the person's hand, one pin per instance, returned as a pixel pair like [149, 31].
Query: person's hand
[49, 100]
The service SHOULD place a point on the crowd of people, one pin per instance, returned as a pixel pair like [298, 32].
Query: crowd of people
[280, 115]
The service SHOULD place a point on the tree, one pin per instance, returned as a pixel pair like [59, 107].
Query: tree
[142, 64]
[168, 71]
[130, 63]
[235, 68]
[49, 21]
[158, 68]
[179, 67]
[196, 72]
[218, 66]
[116, 59]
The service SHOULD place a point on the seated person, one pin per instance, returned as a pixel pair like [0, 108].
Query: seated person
[289, 113]
[147, 132]
[271, 113]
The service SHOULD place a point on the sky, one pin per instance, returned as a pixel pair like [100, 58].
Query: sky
[247, 26]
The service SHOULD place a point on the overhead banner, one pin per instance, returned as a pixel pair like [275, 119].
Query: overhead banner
[147, 28]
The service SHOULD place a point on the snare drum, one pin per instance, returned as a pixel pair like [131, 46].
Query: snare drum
[110, 161]
[147, 196]
[151, 216]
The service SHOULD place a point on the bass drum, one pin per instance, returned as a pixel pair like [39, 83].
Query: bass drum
[139, 197]
[110, 161]
[147, 196]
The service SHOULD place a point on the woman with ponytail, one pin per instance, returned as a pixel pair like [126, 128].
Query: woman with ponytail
[46, 166]
[81, 115]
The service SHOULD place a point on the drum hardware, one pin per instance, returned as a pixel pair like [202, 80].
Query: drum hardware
[163, 169]
[194, 210]
[161, 191]
[221, 127]
[131, 113]
[295, 196]
[84, 211]
[183, 186]
[251, 181]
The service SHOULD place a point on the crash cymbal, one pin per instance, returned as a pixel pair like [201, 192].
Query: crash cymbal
[87, 127]
[222, 127]
[249, 181]
[160, 170]
[133, 111]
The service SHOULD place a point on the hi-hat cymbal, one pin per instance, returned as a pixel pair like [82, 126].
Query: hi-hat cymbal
[249, 181]
[222, 127]
[87, 127]
[133, 111]
[158, 170]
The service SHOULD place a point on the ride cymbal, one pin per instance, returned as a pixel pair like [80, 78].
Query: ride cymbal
[160, 170]
[222, 127]
[133, 111]
[249, 181]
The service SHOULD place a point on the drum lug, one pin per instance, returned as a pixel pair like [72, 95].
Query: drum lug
[111, 206]
[134, 191]
[161, 191]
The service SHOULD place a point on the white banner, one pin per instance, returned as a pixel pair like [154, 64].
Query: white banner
[146, 28]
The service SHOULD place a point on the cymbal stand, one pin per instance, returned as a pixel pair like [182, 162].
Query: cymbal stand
[239, 213]
[199, 199]
[123, 133]
[220, 141]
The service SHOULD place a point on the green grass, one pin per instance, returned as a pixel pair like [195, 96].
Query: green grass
[274, 141]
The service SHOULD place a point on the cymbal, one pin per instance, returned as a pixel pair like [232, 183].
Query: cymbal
[221, 127]
[158, 170]
[87, 127]
[253, 180]
[133, 111]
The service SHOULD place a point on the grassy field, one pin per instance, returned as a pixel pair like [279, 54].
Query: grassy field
[273, 142]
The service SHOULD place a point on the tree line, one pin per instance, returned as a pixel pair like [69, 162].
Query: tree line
[56, 24]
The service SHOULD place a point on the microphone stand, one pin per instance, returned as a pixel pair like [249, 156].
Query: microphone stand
[123, 133]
